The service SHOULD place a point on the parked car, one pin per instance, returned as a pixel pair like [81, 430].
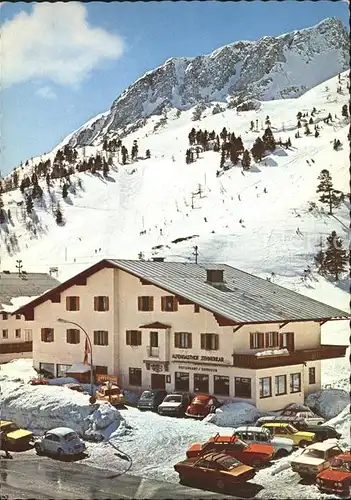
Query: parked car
[202, 405]
[322, 432]
[16, 437]
[175, 404]
[336, 479]
[261, 435]
[214, 469]
[256, 455]
[315, 458]
[38, 381]
[74, 387]
[301, 411]
[150, 400]
[61, 441]
[300, 438]
[110, 393]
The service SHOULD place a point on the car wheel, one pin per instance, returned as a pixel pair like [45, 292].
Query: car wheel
[282, 453]
[303, 443]
[220, 484]
[38, 449]
[60, 453]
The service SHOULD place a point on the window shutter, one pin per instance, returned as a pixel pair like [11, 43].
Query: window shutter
[42, 334]
[163, 303]
[176, 339]
[190, 340]
[281, 340]
[67, 304]
[151, 303]
[175, 304]
[128, 337]
[138, 337]
[140, 303]
[216, 342]
[276, 339]
[291, 342]
[107, 304]
[267, 339]
[261, 340]
[203, 341]
[251, 341]
[78, 303]
[96, 303]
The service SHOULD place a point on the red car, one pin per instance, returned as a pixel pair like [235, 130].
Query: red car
[202, 405]
[336, 479]
[215, 469]
[256, 455]
[38, 381]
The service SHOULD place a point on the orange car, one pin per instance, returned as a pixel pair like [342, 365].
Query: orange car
[214, 469]
[336, 479]
[256, 455]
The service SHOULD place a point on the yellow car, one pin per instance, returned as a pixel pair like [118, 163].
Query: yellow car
[300, 438]
[111, 393]
[16, 438]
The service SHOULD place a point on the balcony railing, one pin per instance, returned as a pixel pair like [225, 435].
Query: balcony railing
[153, 352]
[14, 347]
[293, 358]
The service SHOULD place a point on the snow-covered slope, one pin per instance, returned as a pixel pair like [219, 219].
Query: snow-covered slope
[270, 68]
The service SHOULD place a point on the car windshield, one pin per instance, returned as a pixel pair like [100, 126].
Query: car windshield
[70, 436]
[112, 392]
[199, 401]
[315, 453]
[11, 428]
[290, 429]
[147, 395]
[229, 462]
[340, 464]
[241, 443]
[173, 398]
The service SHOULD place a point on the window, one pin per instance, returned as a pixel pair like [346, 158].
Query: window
[100, 370]
[272, 339]
[183, 340]
[181, 381]
[169, 303]
[280, 385]
[295, 382]
[101, 303]
[61, 370]
[72, 336]
[5, 316]
[287, 341]
[153, 339]
[265, 387]
[242, 387]
[135, 377]
[196, 308]
[100, 337]
[256, 340]
[47, 367]
[18, 316]
[201, 383]
[221, 385]
[72, 303]
[145, 303]
[133, 337]
[5, 334]
[18, 333]
[210, 341]
[47, 334]
[312, 375]
[28, 335]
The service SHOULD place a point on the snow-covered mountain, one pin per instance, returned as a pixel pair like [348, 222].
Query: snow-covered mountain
[279, 67]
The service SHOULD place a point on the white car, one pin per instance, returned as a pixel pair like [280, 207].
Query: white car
[316, 458]
[61, 441]
[256, 435]
[307, 415]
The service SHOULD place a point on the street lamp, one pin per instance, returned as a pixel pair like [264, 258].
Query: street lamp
[61, 320]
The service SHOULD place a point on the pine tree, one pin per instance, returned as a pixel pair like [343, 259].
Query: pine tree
[299, 115]
[316, 134]
[191, 136]
[64, 191]
[2, 212]
[336, 144]
[221, 165]
[268, 139]
[299, 124]
[124, 155]
[258, 149]
[233, 155]
[252, 125]
[325, 187]
[105, 168]
[246, 160]
[58, 215]
[135, 150]
[307, 130]
[311, 121]
[335, 259]
[288, 143]
[29, 205]
[344, 111]
[147, 153]
[224, 134]
[187, 156]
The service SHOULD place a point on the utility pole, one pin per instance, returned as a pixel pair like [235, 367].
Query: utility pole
[19, 266]
[196, 253]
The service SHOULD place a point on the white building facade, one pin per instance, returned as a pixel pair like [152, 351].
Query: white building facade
[153, 338]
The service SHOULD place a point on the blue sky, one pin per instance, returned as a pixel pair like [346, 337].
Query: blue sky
[68, 62]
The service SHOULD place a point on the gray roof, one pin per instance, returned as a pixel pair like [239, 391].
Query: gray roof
[245, 298]
[26, 285]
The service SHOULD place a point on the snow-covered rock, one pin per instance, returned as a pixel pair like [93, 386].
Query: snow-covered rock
[342, 423]
[328, 403]
[234, 414]
[270, 68]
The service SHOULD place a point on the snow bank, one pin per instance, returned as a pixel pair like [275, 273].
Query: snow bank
[234, 414]
[342, 424]
[18, 369]
[328, 403]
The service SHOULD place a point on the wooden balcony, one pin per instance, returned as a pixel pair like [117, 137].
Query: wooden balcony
[293, 358]
[15, 347]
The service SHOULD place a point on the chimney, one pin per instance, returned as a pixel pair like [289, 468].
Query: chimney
[214, 276]
[158, 259]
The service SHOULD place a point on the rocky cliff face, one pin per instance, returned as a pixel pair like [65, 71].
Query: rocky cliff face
[270, 68]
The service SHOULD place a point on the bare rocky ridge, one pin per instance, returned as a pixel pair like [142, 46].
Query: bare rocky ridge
[270, 68]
